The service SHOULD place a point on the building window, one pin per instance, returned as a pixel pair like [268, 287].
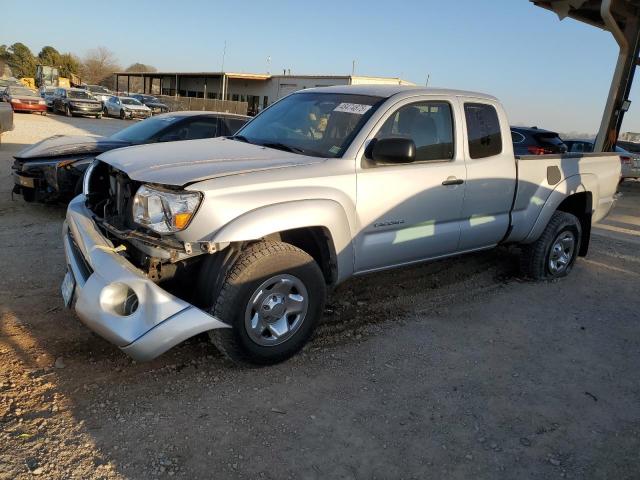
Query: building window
[265, 102]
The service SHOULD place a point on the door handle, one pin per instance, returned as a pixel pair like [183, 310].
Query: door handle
[452, 181]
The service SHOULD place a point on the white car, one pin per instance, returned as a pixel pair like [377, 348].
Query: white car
[125, 107]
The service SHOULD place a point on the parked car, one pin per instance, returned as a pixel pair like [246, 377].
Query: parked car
[9, 82]
[47, 94]
[629, 161]
[632, 147]
[100, 93]
[152, 102]
[51, 170]
[536, 141]
[23, 99]
[76, 101]
[6, 118]
[241, 237]
[125, 108]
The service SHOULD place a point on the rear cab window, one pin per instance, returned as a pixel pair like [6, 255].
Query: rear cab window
[483, 130]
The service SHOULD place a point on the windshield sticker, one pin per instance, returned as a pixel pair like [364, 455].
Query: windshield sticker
[334, 150]
[355, 108]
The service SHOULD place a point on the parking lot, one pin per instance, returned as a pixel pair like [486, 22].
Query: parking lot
[454, 369]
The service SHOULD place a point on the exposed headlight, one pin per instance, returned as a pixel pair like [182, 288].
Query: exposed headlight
[164, 211]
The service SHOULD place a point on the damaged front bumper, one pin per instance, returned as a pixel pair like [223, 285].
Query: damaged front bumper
[117, 300]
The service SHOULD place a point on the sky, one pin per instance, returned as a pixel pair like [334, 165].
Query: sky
[551, 74]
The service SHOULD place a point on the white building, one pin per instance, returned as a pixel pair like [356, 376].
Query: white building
[258, 90]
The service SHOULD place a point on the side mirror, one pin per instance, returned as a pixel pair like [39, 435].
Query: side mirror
[393, 150]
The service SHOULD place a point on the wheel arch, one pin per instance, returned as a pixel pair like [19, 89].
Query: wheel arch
[573, 195]
[319, 227]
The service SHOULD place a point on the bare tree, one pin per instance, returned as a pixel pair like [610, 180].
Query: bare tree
[98, 66]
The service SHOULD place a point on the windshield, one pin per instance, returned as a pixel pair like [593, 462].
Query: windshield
[317, 124]
[81, 94]
[130, 101]
[143, 131]
[24, 92]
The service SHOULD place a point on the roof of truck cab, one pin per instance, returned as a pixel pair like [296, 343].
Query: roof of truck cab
[387, 91]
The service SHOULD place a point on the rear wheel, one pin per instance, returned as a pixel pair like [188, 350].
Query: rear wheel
[555, 252]
[272, 298]
[122, 115]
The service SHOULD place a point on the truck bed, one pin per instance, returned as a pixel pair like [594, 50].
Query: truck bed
[545, 179]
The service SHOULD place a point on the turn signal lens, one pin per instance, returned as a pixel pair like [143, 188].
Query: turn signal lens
[181, 220]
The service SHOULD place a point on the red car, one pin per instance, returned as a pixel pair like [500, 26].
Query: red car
[23, 99]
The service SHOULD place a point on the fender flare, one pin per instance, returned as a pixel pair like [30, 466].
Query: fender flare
[327, 214]
[569, 186]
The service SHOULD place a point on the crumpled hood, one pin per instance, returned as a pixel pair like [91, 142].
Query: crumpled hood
[64, 145]
[155, 105]
[135, 107]
[181, 163]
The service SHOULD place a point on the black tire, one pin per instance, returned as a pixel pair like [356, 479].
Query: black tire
[99, 117]
[122, 115]
[535, 258]
[105, 112]
[67, 111]
[257, 263]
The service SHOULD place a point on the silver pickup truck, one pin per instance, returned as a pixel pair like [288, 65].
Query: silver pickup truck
[241, 237]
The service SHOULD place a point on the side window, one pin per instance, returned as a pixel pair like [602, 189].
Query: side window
[203, 128]
[428, 124]
[483, 130]
[233, 125]
[193, 130]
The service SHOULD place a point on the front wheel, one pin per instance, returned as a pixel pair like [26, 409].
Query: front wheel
[272, 298]
[122, 115]
[99, 116]
[555, 252]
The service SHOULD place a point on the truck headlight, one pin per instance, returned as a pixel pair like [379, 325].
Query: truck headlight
[164, 211]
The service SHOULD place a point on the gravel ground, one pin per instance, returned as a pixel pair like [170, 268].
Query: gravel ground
[454, 369]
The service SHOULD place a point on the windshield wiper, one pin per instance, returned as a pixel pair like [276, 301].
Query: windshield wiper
[282, 146]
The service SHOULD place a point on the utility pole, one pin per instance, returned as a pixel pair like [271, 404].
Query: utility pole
[428, 77]
[353, 68]
[223, 86]
[268, 64]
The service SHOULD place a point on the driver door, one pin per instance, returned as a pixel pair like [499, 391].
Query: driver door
[412, 212]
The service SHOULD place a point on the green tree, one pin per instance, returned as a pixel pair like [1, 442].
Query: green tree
[49, 56]
[21, 60]
[69, 64]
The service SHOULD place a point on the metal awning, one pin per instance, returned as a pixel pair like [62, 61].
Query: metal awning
[622, 19]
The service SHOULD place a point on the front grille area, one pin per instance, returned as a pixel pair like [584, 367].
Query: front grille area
[110, 196]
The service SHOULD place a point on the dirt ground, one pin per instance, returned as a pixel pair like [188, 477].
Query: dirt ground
[454, 369]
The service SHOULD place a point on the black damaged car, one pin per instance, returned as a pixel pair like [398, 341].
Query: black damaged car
[52, 170]
[152, 102]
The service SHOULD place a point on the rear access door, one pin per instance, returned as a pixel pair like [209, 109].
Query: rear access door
[491, 174]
